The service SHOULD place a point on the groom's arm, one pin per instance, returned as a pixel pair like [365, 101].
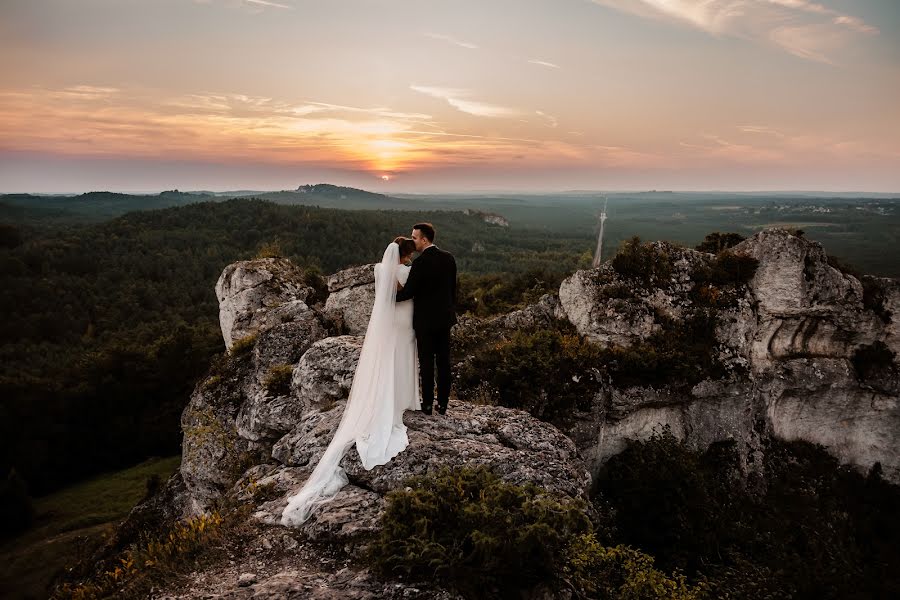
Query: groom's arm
[455, 284]
[413, 283]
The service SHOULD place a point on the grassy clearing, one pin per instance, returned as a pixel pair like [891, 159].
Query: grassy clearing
[72, 521]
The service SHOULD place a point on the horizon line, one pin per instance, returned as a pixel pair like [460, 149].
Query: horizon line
[466, 192]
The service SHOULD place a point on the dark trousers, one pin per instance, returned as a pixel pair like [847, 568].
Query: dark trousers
[434, 347]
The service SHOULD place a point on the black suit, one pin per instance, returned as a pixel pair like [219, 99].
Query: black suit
[432, 287]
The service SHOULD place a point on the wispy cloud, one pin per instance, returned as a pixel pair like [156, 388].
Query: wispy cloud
[551, 120]
[87, 92]
[451, 40]
[257, 6]
[268, 4]
[246, 105]
[234, 127]
[620, 156]
[460, 100]
[765, 145]
[715, 147]
[94, 120]
[543, 63]
[762, 129]
[803, 28]
[323, 107]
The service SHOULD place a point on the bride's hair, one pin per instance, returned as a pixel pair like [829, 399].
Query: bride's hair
[407, 245]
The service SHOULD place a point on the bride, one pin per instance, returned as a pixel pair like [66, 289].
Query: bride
[384, 385]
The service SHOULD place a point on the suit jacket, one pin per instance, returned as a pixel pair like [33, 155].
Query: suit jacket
[432, 287]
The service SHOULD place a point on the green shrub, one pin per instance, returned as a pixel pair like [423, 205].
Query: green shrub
[278, 380]
[721, 282]
[681, 353]
[642, 261]
[312, 276]
[154, 558]
[621, 572]
[270, 250]
[548, 372]
[469, 529]
[873, 359]
[666, 501]
[554, 372]
[803, 527]
[874, 297]
[729, 268]
[715, 242]
[616, 291]
[490, 295]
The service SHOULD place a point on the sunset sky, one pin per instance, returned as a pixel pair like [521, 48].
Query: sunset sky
[427, 96]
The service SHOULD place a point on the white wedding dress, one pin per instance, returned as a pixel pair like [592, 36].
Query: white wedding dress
[385, 384]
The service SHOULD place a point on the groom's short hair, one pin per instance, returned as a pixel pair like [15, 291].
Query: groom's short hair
[427, 230]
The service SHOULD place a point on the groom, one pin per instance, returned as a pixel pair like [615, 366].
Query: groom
[432, 286]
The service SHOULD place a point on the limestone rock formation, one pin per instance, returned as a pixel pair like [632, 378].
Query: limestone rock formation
[608, 308]
[234, 414]
[351, 294]
[325, 373]
[256, 426]
[796, 329]
[257, 294]
[243, 434]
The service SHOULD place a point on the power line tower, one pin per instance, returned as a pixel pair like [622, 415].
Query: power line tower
[599, 252]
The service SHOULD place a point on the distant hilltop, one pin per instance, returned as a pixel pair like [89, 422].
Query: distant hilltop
[327, 189]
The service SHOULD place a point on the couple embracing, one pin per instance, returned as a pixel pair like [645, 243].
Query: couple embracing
[408, 334]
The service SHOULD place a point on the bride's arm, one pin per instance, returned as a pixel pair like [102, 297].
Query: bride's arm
[413, 283]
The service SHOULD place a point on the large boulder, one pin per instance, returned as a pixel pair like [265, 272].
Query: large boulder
[350, 298]
[517, 446]
[256, 294]
[804, 306]
[611, 309]
[325, 373]
[286, 342]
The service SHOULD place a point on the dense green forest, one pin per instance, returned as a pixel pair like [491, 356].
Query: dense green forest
[861, 231]
[110, 324]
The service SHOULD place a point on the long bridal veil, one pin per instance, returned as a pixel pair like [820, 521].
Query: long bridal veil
[371, 395]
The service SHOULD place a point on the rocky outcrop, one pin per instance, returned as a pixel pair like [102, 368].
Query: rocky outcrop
[805, 306]
[275, 563]
[351, 294]
[487, 217]
[325, 373]
[244, 434]
[611, 309]
[257, 424]
[788, 340]
[235, 413]
[257, 294]
[517, 446]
